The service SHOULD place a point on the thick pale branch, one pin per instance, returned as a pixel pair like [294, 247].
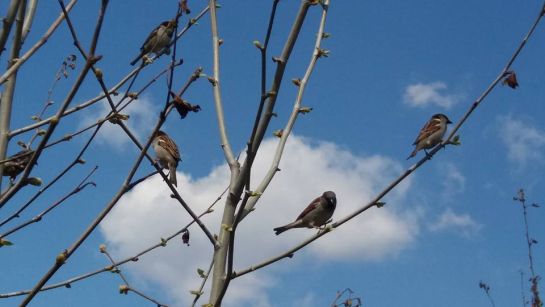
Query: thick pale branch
[293, 117]
[7, 23]
[9, 91]
[29, 17]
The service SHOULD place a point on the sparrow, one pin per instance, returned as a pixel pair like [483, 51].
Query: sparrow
[431, 134]
[167, 153]
[17, 163]
[316, 214]
[158, 40]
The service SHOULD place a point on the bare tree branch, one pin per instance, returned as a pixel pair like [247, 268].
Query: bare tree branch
[39, 217]
[162, 243]
[63, 256]
[9, 90]
[29, 17]
[36, 46]
[124, 289]
[7, 23]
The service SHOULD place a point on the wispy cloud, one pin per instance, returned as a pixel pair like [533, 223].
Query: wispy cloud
[147, 213]
[142, 113]
[425, 94]
[524, 142]
[454, 181]
[460, 223]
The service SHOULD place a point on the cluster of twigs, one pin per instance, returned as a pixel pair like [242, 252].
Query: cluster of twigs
[534, 277]
[242, 196]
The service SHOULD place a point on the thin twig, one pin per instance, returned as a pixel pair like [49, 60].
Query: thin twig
[198, 293]
[63, 256]
[162, 243]
[38, 44]
[122, 276]
[82, 185]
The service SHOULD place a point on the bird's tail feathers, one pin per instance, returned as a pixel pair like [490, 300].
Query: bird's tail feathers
[279, 230]
[295, 224]
[412, 154]
[137, 58]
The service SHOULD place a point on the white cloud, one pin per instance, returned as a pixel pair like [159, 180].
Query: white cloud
[524, 142]
[307, 169]
[143, 115]
[460, 223]
[422, 95]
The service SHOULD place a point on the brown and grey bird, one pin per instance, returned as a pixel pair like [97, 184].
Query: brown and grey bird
[316, 214]
[167, 153]
[431, 134]
[158, 40]
[17, 163]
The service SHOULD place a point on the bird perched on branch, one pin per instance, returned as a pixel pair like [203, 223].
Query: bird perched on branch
[167, 153]
[316, 214]
[431, 134]
[17, 163]
[158, 41]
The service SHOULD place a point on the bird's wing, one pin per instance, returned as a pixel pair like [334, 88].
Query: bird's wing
[429, 128]
[153, 33]
[309, 208]
[170, 146]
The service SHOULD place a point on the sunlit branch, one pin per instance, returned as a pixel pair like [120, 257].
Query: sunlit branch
[8, 23]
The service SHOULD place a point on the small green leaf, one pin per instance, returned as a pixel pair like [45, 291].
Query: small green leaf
[323, 53]
[201, 273]
[380, 204]
[296, 81]
[163, 242]
[278, 133]
[35, 181]
[258, 45]
[196, 293]
[456, 140]
[254, 193]
[305, 110]
[227, 227]
[124, 289]
[4, 242]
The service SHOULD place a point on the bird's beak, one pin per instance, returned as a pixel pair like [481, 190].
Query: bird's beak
[448, 121]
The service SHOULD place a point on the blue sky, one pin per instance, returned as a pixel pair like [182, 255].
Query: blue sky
[392, 65]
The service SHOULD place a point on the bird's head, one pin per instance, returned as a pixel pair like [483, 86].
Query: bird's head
[441, 117]
[330, 197]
